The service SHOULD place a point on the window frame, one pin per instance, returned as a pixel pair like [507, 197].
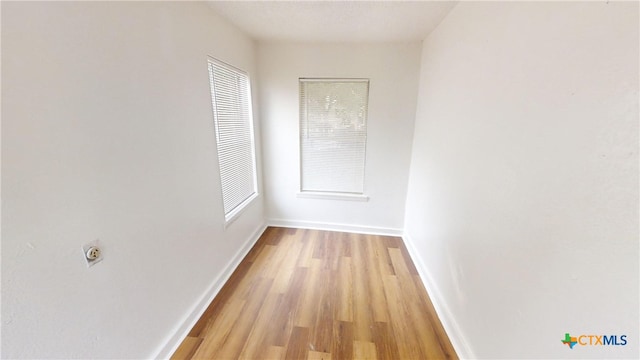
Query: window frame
[233, 213]
[331, 194]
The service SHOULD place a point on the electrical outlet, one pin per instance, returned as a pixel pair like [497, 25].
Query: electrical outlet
[92, 252]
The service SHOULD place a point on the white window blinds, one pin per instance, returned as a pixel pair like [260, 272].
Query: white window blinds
[231, 98]
[333, 134]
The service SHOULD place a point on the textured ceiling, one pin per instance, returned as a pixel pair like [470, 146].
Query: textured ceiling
[335, 21]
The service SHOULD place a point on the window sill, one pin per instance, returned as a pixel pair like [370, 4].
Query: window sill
[235, 213]
[332, 196]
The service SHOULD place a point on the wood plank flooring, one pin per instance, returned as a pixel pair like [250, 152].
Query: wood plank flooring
[308, 294]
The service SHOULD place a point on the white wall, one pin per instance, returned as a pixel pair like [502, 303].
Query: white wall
[523, 194]
[393, 71]
[107, 133]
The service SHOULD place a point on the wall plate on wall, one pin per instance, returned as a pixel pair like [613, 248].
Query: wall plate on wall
[92, 252]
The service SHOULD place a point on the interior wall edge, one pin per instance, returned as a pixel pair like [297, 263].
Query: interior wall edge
[451, 327]
[326, 226]
[172, 342]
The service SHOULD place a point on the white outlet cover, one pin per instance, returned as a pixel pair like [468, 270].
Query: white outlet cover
[85, 248]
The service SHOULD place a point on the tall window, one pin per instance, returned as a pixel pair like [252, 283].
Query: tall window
[333, 135]
[231, 98]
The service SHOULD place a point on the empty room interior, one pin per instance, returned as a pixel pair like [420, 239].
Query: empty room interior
[320, 180]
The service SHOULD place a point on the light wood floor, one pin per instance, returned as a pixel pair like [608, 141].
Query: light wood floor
[307, 294]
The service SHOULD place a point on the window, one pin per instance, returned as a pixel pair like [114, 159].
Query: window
[231, 98]
[333, 134]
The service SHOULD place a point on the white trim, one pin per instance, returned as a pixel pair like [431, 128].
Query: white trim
[333, 79]
[192, 316]
[451, 327]
[332, 196]
[235, 213]
[358, 229]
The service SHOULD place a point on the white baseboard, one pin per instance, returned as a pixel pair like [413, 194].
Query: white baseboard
[451, 327]
[359, 229]
[171, 345]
